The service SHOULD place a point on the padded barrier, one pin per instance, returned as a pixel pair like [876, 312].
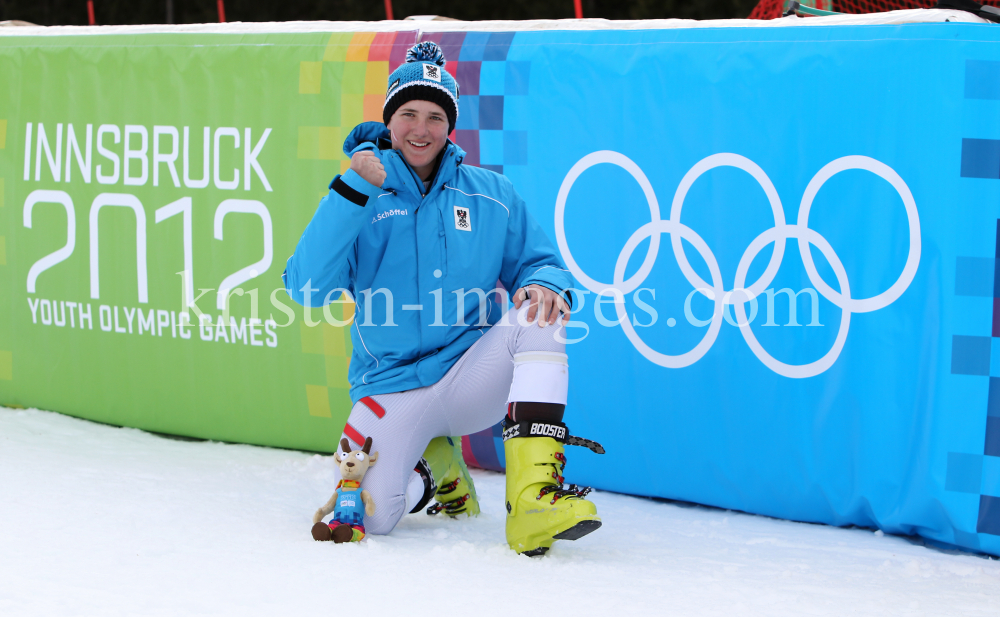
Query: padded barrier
[846, 177]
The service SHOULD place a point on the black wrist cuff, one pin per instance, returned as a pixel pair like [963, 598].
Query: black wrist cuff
[344, 190]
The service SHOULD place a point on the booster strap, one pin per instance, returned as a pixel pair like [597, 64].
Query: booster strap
[555, 430]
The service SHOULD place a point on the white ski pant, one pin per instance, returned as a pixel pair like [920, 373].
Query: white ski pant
[472, 396]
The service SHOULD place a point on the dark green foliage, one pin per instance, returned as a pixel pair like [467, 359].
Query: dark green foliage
[74, 12]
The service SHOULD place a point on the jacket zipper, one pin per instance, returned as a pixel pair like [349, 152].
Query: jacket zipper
[416, 247]
[443, 236]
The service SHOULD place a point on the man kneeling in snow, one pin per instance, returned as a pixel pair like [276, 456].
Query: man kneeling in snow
[412, 223]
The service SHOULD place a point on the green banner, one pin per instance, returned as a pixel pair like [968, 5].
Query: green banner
[151, 188]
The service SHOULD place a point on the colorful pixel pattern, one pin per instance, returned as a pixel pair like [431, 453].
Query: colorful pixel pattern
[355, 67]
[979, 277]
[486, 130]
[332, 391]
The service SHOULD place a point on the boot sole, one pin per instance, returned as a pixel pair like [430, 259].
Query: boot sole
[573, 533]
[578, 531]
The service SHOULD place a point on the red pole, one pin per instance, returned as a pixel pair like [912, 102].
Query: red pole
[90, 13]
[577, 6]
[222, 11]
[388, 10]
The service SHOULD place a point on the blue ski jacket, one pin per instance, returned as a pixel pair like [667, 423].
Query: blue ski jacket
[418, 265]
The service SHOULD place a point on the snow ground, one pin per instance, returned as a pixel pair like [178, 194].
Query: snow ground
[98, 520]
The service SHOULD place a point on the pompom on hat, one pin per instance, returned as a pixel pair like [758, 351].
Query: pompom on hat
[422, 78]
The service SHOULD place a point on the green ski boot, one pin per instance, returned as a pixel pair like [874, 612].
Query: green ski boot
[456, 494]
[539, 509]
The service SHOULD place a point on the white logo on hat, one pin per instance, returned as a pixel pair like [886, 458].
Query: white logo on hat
[432, 72]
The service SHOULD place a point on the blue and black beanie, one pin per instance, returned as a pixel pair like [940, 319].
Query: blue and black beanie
[422, 78]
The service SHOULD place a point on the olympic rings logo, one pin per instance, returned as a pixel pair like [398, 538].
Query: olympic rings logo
[776, 235]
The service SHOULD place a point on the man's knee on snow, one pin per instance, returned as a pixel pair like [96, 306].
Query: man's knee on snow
[385, 519]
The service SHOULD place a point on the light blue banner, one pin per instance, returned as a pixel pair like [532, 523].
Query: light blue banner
[849, 179]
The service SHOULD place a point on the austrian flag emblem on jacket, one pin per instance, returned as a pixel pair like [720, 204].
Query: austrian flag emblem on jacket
[463, 219]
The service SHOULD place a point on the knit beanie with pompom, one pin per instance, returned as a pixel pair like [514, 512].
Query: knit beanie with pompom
[422, 78]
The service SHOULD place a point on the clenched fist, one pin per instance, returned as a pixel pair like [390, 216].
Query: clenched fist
[367, 165]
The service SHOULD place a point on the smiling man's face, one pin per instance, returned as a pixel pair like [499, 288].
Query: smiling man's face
[419, 131]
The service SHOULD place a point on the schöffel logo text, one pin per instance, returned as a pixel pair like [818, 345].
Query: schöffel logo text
[548, 430]
[388, 213]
